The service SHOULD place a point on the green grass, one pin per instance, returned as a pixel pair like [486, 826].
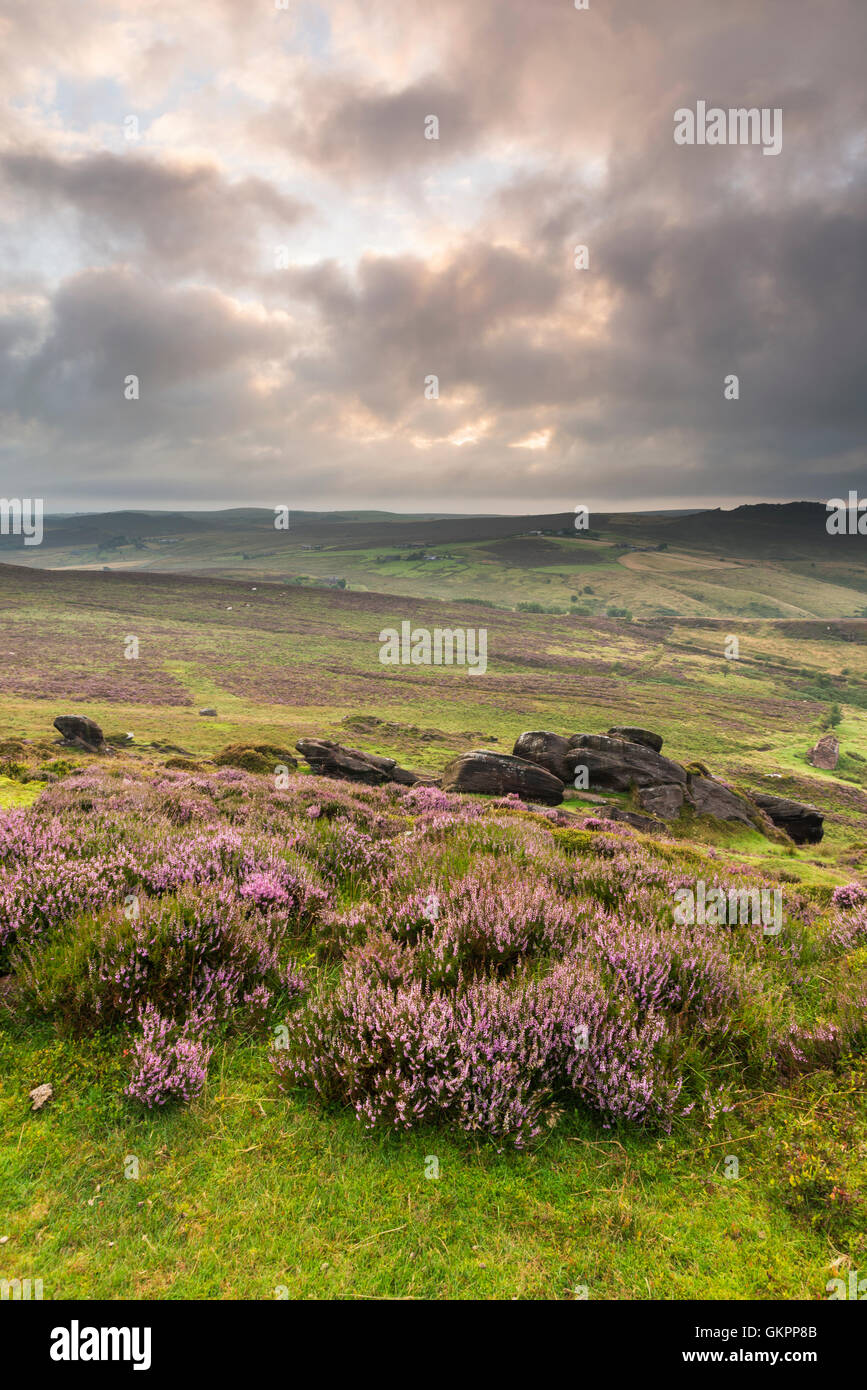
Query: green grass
[249, 1192]
[14, 793]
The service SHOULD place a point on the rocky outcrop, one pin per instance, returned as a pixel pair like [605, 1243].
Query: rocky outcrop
[498, 774]
[705, 795]
[546, 749]
[80, 732]
[825, 753]
[711, 798]
[647, 824]
[329, 759]
[628, 759]
[332, 760]
[665, 801]
[803, 824]
[634, 735]
[617, 764]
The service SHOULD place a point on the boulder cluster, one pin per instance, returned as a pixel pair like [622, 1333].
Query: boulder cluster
[539, 768]
[625, 759]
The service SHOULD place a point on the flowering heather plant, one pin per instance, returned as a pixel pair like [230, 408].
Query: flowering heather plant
[482, 924]
[667, 968]
[485, 1058]
[847, 930]
[201, 952]
[849, 895]
[510, 802]
[801, 1048]
[347, 855]
[40, 894]
[169, 1062]
[482, 969]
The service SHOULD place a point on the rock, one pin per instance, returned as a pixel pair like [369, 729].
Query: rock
[803, 824]
[616, 764]
[825, 753]
[712, 798]
[634, 735]
[497, 774]
[546, 749]
[405, 778]
[208, 713]
[644, 823]
[80, 732]
[41, 1095]
[665, 801]
[329, 759]
[385, 764]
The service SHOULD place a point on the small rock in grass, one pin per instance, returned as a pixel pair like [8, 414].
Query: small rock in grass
[41, 1095]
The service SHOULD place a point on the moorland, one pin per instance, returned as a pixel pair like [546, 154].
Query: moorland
[262, 1172]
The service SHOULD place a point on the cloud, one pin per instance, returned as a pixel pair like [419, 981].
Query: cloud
[409, 258]
[187, 218]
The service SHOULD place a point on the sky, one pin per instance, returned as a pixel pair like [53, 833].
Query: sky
[232, 261]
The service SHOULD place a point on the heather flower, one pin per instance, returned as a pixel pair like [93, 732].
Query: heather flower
[169, 1063]
[849, 895]
[264, 889]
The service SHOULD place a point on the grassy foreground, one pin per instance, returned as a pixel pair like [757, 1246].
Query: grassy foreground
[248, 1194]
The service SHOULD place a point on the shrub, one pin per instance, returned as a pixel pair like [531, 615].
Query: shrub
[169, 1063]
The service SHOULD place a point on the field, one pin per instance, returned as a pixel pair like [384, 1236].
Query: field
[250, 1191]
[753, 562]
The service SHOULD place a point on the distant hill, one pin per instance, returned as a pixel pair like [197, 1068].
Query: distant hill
[757, 561]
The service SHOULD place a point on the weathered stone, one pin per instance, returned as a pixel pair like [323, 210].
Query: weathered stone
[41, 1095]
[80, 731]
[825, 753]
[546, 749]
[616, 764]
[712, 798]
[208, 713]
[665, 801]
[384, 764]
[803, 824]
[644, 823]
[330, 759]
[635, 735]
[497, 774]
